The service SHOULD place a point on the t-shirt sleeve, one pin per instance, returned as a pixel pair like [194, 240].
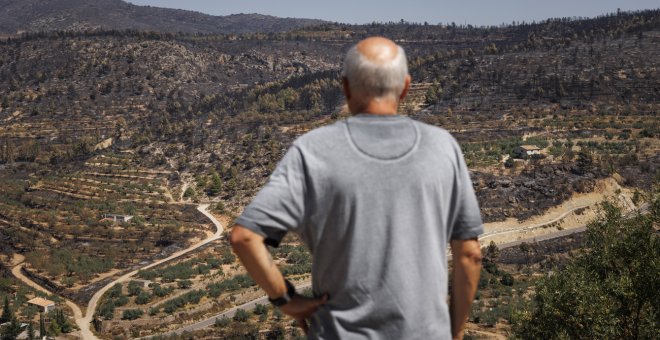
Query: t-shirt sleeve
[468, 223]
[280, 205]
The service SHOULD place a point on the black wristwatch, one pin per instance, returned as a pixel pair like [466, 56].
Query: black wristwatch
[284, 299]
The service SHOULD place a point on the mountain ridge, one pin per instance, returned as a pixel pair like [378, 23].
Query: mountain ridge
[80, 15]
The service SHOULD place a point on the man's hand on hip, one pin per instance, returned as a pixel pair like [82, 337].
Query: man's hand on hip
[301, 308]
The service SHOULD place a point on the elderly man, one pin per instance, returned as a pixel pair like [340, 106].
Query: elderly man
[376, 198]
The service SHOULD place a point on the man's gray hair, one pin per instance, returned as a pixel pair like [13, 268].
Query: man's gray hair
[375, 80]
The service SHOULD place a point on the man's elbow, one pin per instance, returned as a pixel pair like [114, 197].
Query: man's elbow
[469, 253]
[466, 251]
[241, 236]
[473, 256]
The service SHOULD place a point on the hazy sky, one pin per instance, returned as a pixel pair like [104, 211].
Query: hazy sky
[476, 12]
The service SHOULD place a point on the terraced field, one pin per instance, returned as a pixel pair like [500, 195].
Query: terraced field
[58, 222]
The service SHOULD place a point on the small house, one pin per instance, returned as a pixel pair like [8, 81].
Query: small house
[117, 218]
[527, 152]
[44, 305]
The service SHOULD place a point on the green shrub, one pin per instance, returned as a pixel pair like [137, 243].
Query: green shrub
[132, 314]
[507, 279]
[134, 288]
[143, 298]
[221, 322]
[241, 315]
[260, 309]
[184, 284]
[159, 291]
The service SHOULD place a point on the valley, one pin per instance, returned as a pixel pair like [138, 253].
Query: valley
[125, 154]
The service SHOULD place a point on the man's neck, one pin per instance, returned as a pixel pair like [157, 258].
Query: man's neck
[378, 107]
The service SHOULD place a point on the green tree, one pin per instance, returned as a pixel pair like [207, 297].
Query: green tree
[53, 329]
[189, 193]
[42, 326]
[6, 311]
[509, 163]
[609, 290]
[216, 184]
[61, 320]
[220, 207]
[10, 331]
[241, 315]
[132, 314]
[507, 279]
[491, 251]
[221, 322]
[260, 309]
[184, 284]
[134, 288]
[143, 298]
[583, 163]
[30, 331]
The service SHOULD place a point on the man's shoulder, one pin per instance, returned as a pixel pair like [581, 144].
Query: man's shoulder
[335, 133]
[435, 134]
[324, 135]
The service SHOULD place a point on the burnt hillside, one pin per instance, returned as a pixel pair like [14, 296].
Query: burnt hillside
[147, 123]
[82, 15]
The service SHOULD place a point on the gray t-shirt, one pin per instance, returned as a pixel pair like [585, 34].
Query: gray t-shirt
[376, 199]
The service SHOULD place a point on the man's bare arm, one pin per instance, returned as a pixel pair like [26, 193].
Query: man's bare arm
[466, 256]
[251, 250]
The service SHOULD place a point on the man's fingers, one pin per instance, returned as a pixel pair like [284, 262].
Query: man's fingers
[321, 301]
[302, 324]
[302, 307]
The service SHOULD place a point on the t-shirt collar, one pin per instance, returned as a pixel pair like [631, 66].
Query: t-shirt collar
[379, 116]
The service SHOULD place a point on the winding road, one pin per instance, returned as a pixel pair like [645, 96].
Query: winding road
[17, 271]
[533, 226]
[84, 322]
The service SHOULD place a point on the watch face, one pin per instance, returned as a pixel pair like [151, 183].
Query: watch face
[283, 300]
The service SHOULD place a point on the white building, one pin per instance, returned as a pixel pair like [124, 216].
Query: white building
[117, 218]
[45, 305]
[526, 151]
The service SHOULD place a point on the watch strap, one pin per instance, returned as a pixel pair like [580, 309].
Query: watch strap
[284, 299]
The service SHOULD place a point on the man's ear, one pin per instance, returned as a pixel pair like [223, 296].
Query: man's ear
[406, 87]
[346, 88]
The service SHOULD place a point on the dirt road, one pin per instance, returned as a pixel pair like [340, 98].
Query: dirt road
[572, 213]
[17, 270]
[84, 322]
[490, 234]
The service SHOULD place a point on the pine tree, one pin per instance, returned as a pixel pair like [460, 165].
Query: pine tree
[30, 331]
[6, 311]
[62, 321]
[11, 331]
[216, 185]
[42, 326]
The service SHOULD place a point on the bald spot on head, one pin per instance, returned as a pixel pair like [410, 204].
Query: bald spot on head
[378, 50]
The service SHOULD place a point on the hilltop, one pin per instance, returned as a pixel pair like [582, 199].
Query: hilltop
[82, 15]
